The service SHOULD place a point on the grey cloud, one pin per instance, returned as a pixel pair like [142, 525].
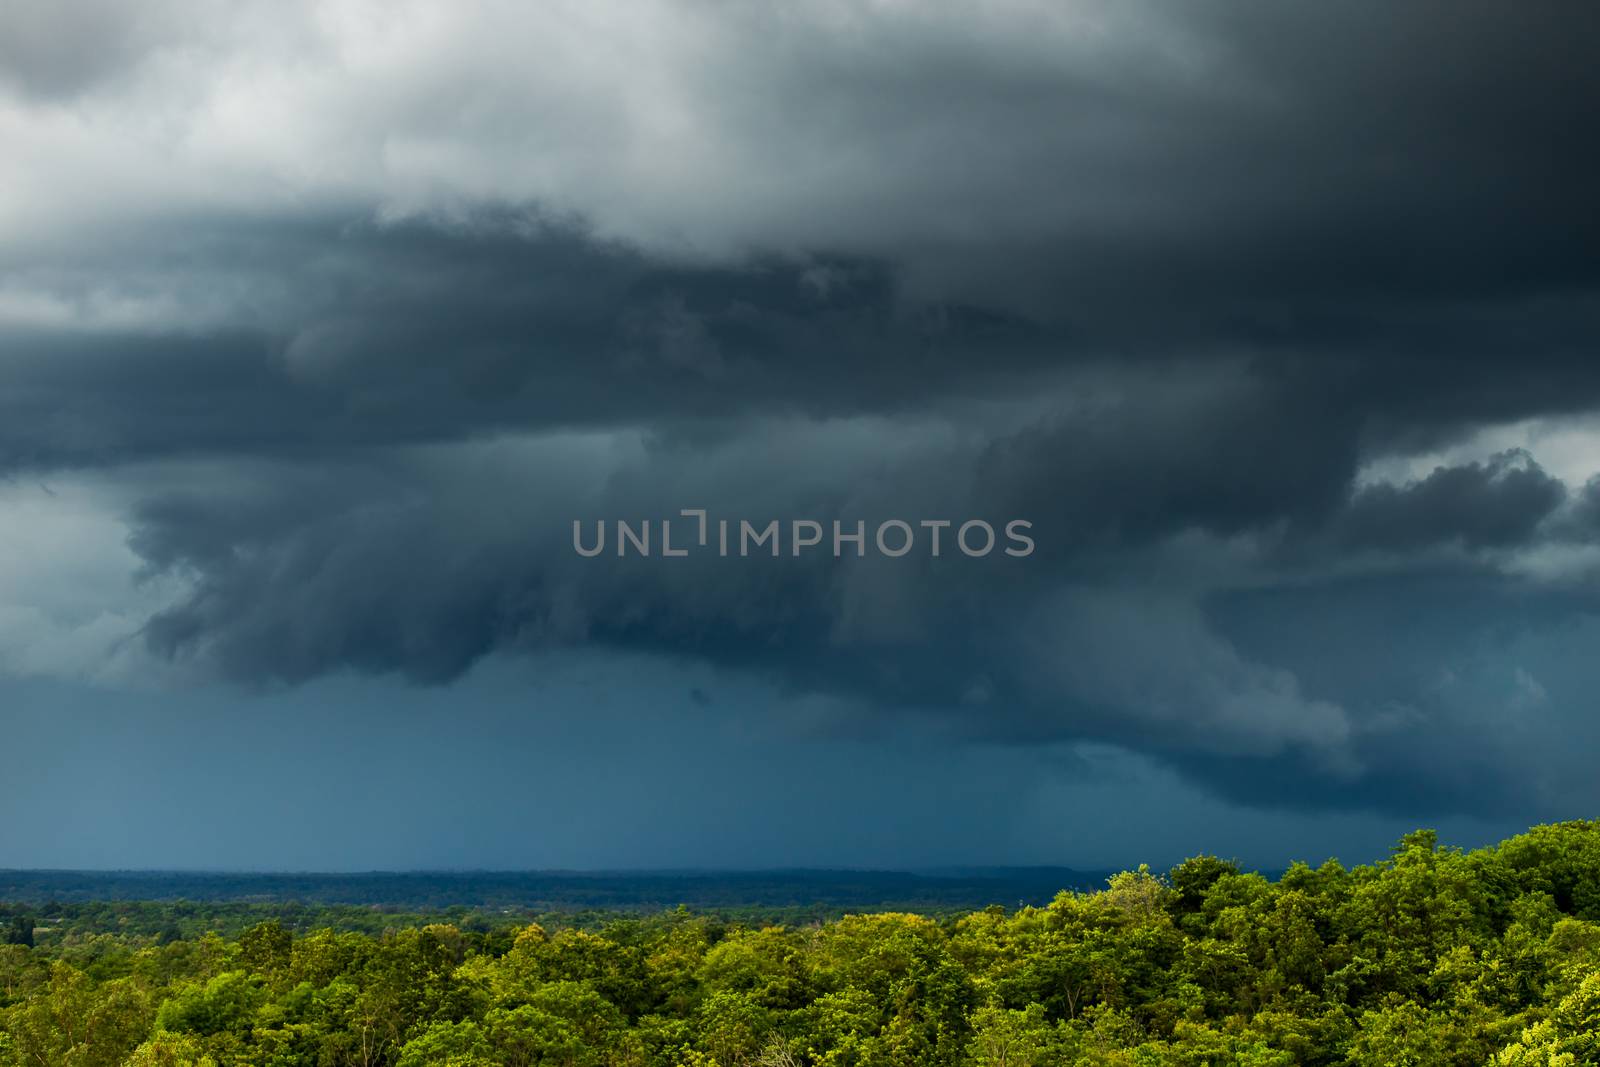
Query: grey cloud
[1581, 522]
[1162, 280]
[59, 50]
[1274, 161]
[331, 336]
[425, 562]
[1482, 505]
[1433, 664]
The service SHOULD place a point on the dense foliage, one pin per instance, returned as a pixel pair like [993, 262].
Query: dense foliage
[1434, 956]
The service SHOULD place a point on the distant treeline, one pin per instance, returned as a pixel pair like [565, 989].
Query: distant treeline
[1432, 957]
[560, 891]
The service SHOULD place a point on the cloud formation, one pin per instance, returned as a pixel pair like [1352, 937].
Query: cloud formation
[342, 313]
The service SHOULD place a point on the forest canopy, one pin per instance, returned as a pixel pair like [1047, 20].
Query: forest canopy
[1432, 956]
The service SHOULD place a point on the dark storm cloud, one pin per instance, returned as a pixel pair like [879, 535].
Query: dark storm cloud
[1379, 208]
[407, 333]
[1461, 675]
[424, 565]
[1227, 452]
[1164, 291]
[1495, 504]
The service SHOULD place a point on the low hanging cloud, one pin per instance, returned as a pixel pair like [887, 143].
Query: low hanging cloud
[345, 313]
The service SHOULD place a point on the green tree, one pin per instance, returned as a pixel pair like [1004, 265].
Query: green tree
[1568, 1038]
[19, 931]
[74, 1022]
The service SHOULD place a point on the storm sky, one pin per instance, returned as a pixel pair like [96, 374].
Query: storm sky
[320, 323]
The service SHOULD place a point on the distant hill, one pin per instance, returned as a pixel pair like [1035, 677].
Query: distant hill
[568, 890]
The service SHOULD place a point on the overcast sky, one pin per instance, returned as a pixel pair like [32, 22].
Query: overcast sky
[321, 322]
